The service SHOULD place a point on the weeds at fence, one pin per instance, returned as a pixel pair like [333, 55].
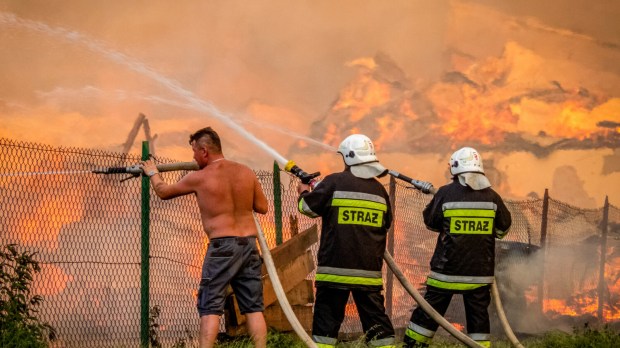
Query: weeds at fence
[154, 340]
[19, 325]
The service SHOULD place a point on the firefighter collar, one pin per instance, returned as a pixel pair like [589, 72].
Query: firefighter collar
[368, 170]
[476, 181]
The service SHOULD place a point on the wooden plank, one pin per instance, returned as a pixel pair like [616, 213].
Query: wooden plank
[275, 317]
[232, 315]
[301, 294]
[294, 223]
[290, 250]
[291, 275]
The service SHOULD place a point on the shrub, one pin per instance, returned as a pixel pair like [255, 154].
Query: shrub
[19, 326]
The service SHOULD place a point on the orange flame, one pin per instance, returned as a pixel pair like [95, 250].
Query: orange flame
[362, 96]
[587, 302]
[459, 326]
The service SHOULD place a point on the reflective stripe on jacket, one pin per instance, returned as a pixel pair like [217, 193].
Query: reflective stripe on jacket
[468, 222]
[356, 215]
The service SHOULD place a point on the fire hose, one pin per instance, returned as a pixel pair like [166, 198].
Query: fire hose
[310, 179]
[279, 290]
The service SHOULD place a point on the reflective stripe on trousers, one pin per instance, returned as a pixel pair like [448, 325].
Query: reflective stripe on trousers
[324, 342]
[348, 276]
[419, 334]
[483, 339]
[455, 282]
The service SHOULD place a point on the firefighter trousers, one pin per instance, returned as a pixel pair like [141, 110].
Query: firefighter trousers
[422, 327]
[329, 311]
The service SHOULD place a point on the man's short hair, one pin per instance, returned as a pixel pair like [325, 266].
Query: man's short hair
[207, 137]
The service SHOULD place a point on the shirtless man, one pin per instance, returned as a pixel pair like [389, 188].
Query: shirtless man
[227, 194]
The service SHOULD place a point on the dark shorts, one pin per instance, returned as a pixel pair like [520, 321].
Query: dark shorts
[234, 261]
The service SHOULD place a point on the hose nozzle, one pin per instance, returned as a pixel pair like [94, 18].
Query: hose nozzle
[306, 178]
[424, 186]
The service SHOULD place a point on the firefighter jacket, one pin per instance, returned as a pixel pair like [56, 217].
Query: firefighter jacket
[468, 221]
[355, 215]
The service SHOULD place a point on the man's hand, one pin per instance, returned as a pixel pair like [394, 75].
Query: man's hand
[149, 168]
[302, 187]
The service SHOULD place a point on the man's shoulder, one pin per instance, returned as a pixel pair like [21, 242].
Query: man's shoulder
[239, 167]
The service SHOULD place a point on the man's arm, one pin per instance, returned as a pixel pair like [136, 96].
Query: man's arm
[163, 189]
[261, 205]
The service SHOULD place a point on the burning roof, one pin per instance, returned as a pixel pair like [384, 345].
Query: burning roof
[488, 104]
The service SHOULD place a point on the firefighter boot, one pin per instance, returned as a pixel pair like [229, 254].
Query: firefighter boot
[411, 343]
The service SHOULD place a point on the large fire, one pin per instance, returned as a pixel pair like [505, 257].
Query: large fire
[482, 103]
[586, 303]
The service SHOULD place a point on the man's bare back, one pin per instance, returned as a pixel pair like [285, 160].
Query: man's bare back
[227, 193]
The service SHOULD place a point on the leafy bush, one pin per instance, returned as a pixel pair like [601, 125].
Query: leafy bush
[19, 327]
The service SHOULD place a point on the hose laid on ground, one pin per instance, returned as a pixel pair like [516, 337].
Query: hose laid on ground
[279, 290]
[426, 306]
[502, 317]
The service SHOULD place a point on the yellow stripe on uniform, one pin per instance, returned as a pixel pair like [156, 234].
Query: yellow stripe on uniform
[348, 279]
[469, 213]
[417, 337]
[341, 202]
[453, 286]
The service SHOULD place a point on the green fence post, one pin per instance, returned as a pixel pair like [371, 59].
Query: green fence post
[144, 261]
[543, 245]
[602, 285]
[277, 202]
[389, 279]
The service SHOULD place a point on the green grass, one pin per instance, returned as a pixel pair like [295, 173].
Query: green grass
[580, 338]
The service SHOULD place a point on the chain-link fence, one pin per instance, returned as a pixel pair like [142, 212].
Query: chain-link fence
[87, 232]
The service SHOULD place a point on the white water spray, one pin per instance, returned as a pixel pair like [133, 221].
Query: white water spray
[139, 67]
[284, 131]
[65, 172]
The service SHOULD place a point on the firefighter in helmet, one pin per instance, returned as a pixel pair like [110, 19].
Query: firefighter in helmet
[468, 215]
[356, 214]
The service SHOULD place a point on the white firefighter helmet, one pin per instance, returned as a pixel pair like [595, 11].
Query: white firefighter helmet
[466, 160]
[359, 154]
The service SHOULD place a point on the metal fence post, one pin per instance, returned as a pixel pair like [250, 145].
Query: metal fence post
[389, 279]
[543, 244]
[145, 251]
[602, 286]
[277, 202]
